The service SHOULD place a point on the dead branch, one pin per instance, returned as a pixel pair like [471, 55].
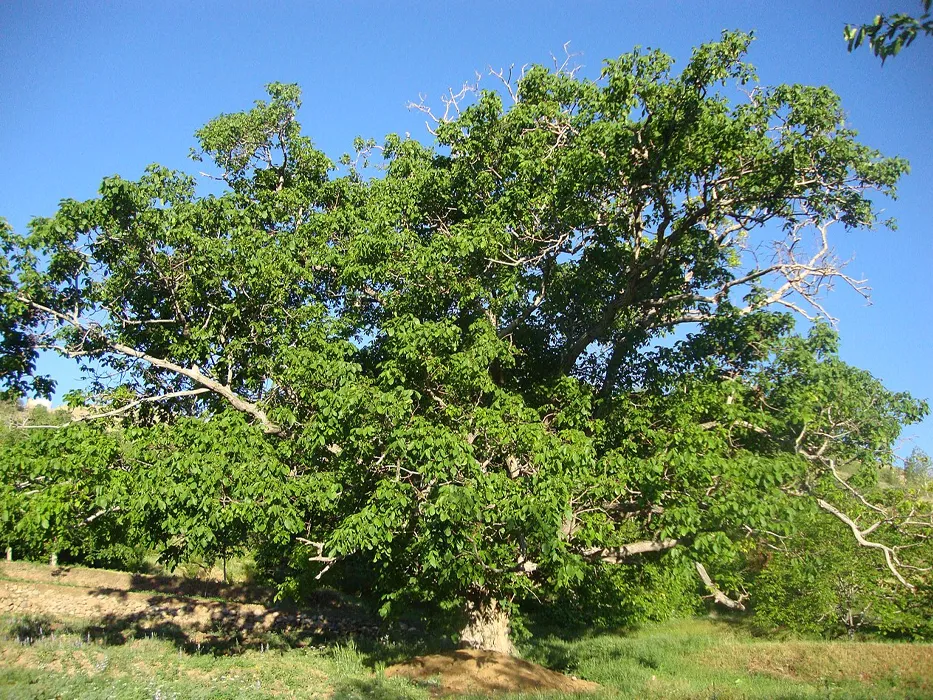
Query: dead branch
[890, 556]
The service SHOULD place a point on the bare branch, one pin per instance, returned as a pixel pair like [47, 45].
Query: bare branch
[616, 555]
[193, 374]
[127, 407]
[717, 594]
[319, 546]
[890, 556]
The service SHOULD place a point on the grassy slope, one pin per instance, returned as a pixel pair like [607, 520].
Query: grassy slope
[693, 658]
[706, 658]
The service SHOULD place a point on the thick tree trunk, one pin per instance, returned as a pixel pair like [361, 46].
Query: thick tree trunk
[9, 554]
[487, 628]
[53, 559]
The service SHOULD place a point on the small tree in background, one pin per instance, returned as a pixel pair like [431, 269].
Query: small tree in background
[918, 468]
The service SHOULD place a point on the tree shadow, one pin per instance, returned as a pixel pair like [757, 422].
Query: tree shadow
[26, 628]
[204, 626]
[203, 588]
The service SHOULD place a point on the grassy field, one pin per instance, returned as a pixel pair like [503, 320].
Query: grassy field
[686, 659]
[57, 655]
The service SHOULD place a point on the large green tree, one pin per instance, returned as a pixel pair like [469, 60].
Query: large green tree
[459, 365]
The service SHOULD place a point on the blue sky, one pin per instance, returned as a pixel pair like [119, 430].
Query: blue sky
[90, 89]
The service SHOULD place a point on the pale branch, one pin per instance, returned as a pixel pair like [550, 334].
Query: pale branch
[193, 374]
[845, 484]
[325, 570]
[616, 555]
[319, 546]
[452, 102]
[715, 591]
[127, 407]
[103, 511]
[803, 279]
[566, 68]
[506, 79]
[226, 392]
[890, 556]
[320, 557]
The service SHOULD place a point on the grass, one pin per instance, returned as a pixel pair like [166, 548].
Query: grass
[705, 658]
[700, 658]
[69, 664]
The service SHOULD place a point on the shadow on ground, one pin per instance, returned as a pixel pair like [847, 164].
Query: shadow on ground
[208, 626]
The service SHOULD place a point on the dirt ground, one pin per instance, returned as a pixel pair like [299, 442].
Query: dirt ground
[119, 603]
[123, 581]
[473, 671]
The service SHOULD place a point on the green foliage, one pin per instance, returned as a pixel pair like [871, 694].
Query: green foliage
[819, 582]
[623, 596]
[458, 371]
[888, 34]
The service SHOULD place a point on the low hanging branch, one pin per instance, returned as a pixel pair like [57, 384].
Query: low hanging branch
[714, 590]
[818, 456]
[890, 555]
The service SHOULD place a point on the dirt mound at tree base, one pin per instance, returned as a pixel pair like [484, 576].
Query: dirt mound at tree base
[474, 671]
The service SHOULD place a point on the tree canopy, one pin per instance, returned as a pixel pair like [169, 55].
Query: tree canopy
[557, 340]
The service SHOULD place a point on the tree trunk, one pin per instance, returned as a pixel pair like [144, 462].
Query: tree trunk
[53, 560]
[9, 554]
[487, 628]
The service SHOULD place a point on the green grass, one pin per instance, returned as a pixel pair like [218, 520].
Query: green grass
[704, 658]
[69, 665]
[686, 659]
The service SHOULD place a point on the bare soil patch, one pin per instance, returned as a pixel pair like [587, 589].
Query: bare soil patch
[473, 671]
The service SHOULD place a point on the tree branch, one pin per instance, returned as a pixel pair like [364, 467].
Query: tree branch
[616, 555]
[191, 373]
[717, 594]
[890, 557]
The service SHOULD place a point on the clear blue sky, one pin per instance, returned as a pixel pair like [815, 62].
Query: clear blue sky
[90, 89]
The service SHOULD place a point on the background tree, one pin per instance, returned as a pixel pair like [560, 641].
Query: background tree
[918, 468]
[456, 369]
